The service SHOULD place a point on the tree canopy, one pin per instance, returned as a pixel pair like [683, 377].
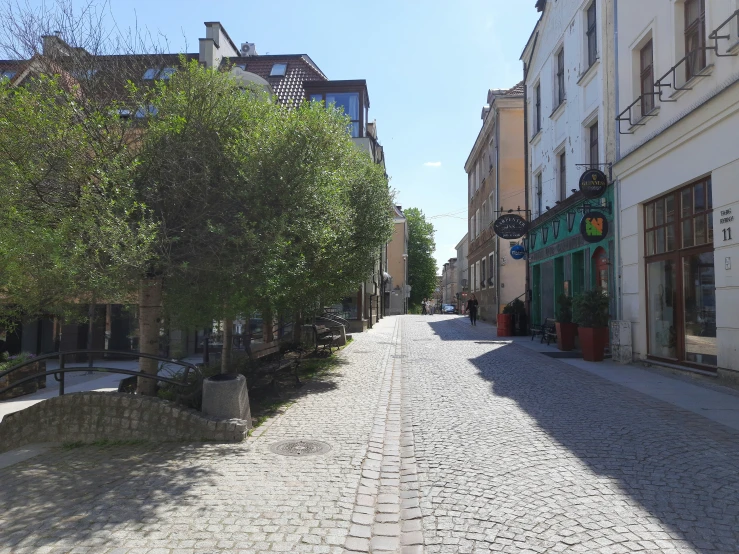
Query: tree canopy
[421, 261]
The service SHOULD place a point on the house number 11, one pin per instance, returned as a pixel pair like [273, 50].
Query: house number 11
[727, 233]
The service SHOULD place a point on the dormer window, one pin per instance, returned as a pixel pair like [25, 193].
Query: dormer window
[346, 102]
[278, 70]
[166, 73]
[150, 74]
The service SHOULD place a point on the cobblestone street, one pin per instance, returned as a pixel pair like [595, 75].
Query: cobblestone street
[443, 439]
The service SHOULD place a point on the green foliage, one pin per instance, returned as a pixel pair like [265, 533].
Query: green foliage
[564, 309]
[515, 307]
[421, 262]
[590, 309]
[6, 362]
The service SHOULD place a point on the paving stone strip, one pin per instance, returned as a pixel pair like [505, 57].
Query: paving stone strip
[386, 515]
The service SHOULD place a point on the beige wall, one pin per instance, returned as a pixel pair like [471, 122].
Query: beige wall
[397, 262]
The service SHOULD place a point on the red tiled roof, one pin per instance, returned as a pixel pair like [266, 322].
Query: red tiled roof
[515, 91]
[288, 88]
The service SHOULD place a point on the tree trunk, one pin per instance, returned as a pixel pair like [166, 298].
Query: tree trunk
[297, 328]
[226, 349]
[90, 330]
[150, 312]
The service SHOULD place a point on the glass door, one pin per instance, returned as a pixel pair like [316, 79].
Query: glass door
[699, 309]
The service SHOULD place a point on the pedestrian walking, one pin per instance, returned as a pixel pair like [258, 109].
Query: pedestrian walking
[472, 309]
[424, 309]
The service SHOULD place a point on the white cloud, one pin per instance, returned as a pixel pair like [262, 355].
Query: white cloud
[432, 164]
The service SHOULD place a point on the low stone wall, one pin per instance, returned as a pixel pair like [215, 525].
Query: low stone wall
[92, 416]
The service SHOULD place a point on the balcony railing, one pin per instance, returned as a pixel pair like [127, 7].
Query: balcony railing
[670, 80]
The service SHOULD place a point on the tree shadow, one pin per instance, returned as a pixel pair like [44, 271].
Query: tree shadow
[460, 329]
[680, 467]
[83, 494]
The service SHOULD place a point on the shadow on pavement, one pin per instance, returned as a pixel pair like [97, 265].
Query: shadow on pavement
[681, 468]
[83, 494]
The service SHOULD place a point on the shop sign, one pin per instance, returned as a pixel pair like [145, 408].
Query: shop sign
[594, 227]
[593, 183]
[510, 226]
[517, 252]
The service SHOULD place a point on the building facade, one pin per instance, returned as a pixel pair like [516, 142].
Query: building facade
[396, 292]
[568, 66]
[678, 114]
[449, 282]
[495, 176]
[463, 279]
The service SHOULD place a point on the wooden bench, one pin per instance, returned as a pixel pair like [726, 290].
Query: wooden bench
[323, 337]
[547, 330]
[270, 360]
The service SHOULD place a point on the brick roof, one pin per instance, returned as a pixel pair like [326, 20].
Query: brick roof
[289, 88]
[516, 91]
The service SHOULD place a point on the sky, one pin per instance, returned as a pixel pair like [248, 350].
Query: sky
[428, 66]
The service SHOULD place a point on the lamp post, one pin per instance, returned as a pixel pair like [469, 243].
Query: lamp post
[571, 220]
[555, 227]
[545, 233]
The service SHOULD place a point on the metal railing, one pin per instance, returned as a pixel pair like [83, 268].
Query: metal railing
[660, 84]
[186, 382]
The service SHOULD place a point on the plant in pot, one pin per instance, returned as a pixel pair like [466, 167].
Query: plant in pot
[519, 317]
[566, 329]
[590, 310]
[505, 321]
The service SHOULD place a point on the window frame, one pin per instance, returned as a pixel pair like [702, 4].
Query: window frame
[272, 72]
[560, 74]
[539, 192]
[537, 108]
[313, 97]
[593, 144]
[591, 34]
[562, 174]
[695, 61]
[647, 96]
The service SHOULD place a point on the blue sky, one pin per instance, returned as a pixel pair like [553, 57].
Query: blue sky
[428, 66]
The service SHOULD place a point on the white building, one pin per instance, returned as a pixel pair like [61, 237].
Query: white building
[678, 100]
[568, 64]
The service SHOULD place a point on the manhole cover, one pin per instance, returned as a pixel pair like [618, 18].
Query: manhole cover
[300, 448]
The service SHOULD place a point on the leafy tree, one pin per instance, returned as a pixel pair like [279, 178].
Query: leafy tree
[421, 262]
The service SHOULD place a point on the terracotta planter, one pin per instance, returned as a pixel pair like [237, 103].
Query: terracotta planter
[505, 325]
[566, 333]
[593, 342]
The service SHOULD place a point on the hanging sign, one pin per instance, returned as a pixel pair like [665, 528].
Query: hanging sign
[594, 227]
[510, 226]
[517, 252]
[593, 183]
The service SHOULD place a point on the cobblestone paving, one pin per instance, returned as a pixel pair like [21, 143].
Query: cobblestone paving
[443, 440]
[522, 453]
[209, 498]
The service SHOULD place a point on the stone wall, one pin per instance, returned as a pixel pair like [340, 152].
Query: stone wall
[27, 388]
[92, 416]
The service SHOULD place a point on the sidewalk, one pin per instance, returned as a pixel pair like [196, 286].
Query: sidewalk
[711, 400]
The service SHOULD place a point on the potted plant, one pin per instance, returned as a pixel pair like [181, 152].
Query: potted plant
[591, 314]
[566, 329]
[519, 317]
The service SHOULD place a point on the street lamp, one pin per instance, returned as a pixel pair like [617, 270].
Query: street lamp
[571, 219]
[555, 228]
[545, 233]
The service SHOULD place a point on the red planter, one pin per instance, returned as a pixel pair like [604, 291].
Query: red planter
[593, 342]
[505, 325]
[566, 336]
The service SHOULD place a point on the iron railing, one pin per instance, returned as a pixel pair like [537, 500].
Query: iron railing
[190, 381]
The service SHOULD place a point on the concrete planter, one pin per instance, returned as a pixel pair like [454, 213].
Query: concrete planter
[26, 388]
[226, 397]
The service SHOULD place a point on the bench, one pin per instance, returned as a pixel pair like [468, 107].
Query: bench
[547, 330]
[323, 337]
[270, 360]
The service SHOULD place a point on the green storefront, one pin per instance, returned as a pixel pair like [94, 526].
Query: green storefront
[571, 249]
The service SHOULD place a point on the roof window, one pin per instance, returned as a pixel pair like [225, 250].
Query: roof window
[7, 74]
[150, 74]
[166, 73]
[278, 70]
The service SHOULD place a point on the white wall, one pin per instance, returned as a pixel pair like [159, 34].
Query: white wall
[564, 24]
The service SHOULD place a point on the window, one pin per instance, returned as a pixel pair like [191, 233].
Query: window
[491, 207]
[278, 70]
[348, 102]
[478, 227]
[539, 193]
[695, 37]
[485, 213]
[562, 160]
[482, 273]
[646, 77]
[594, 144]
[537, 109]
[560, 77]
[166, 73]
[472, 227]
[150, 74]
[7, 74]
[592, 35]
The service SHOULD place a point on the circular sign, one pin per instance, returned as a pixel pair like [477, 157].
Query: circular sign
[593, 183]
[510, 226]
[594, 227]
[517, 252]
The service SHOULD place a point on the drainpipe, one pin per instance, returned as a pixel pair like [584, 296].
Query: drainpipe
[617, 183]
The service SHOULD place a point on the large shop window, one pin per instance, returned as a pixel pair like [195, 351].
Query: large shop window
[681, 285]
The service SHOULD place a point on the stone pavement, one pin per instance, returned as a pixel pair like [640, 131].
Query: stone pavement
[443, 439]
